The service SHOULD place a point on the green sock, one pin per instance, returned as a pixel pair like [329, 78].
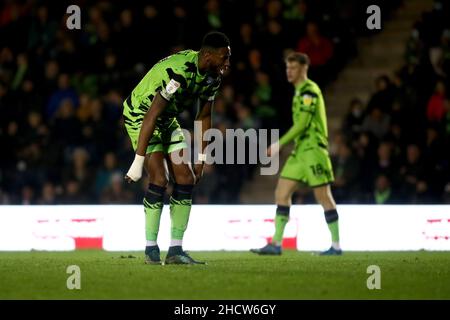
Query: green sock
[334, 230]
[281, 219]
[153, 205]
[331, 217]
[180, 208]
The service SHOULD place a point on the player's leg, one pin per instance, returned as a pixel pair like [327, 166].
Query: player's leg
[180, 208]
[175, 148]
[291, 174]
[320, 176]
[325, 198]
[153, 204]
[153, 200]
[283, 195]
[283, 198]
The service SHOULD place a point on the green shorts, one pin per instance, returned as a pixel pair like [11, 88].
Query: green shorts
[312, 166]
[165, 139]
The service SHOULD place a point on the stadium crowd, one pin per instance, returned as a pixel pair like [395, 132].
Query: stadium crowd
[61, 94]
[395, 148]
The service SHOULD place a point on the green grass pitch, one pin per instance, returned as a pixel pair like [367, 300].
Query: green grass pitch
[228, 275]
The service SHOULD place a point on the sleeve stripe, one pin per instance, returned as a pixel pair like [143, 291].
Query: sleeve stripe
[306, 110]
[310, 93]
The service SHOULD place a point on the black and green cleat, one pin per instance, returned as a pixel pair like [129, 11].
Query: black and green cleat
[331, 252]
[152, 255]
[176, 255]
[269, 249]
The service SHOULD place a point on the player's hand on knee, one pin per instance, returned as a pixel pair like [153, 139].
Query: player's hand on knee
[135, 171]
[273, 149]
[198, 172]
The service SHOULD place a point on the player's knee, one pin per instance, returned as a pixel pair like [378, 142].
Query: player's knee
[281, 196]
[186, 177]
[159, 181]
[325, 199]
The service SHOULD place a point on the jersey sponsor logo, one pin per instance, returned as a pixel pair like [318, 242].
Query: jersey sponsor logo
[172, 87]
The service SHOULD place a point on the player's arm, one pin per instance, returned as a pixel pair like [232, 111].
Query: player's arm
[297, 129]
[147, 128]
[204, 115]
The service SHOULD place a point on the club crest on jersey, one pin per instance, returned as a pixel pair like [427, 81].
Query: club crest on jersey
[307, 100]
[209, 80]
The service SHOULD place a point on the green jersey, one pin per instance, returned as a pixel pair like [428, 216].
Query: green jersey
[309, 118]
[309, 161]
[178, 80]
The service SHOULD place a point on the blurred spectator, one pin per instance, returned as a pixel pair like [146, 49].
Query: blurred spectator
[346, 174]
[115, 193]
[65, 127]
[4, 198]
[73, 194]
[206, 189]
[21, 71]
[275, 40]
[262, 99]
[27, 195]
[80, 172]
[64, 93]
[439, 55]
[447, 193]
[414, 47]
[244, 117]
[49, 83]
[383, 193]
[106, 172]
[377, 123]
[384, 95]
[412, 172]
[354, 119]
[213, 14]
[319, 49]
[42, 31]
[295, 15]
[436, 104]
[48, 195]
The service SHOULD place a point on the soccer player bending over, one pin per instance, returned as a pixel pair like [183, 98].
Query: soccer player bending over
[309, 162]
[172, 85]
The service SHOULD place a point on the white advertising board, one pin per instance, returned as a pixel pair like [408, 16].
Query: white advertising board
[222, 227]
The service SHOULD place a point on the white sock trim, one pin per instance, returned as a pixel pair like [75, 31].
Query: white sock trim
[176, 242]
[336, 245]
[151, 243]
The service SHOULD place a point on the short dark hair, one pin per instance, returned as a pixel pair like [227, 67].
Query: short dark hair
[215, 40]
[301, 58]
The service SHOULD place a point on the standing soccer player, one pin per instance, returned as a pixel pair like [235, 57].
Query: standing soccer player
[309, 162]
[172, 85]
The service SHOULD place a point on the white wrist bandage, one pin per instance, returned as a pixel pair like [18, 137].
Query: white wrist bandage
[135, 171]
[202, 157]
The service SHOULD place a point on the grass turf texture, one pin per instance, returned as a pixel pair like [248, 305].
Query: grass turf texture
[228, 275]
